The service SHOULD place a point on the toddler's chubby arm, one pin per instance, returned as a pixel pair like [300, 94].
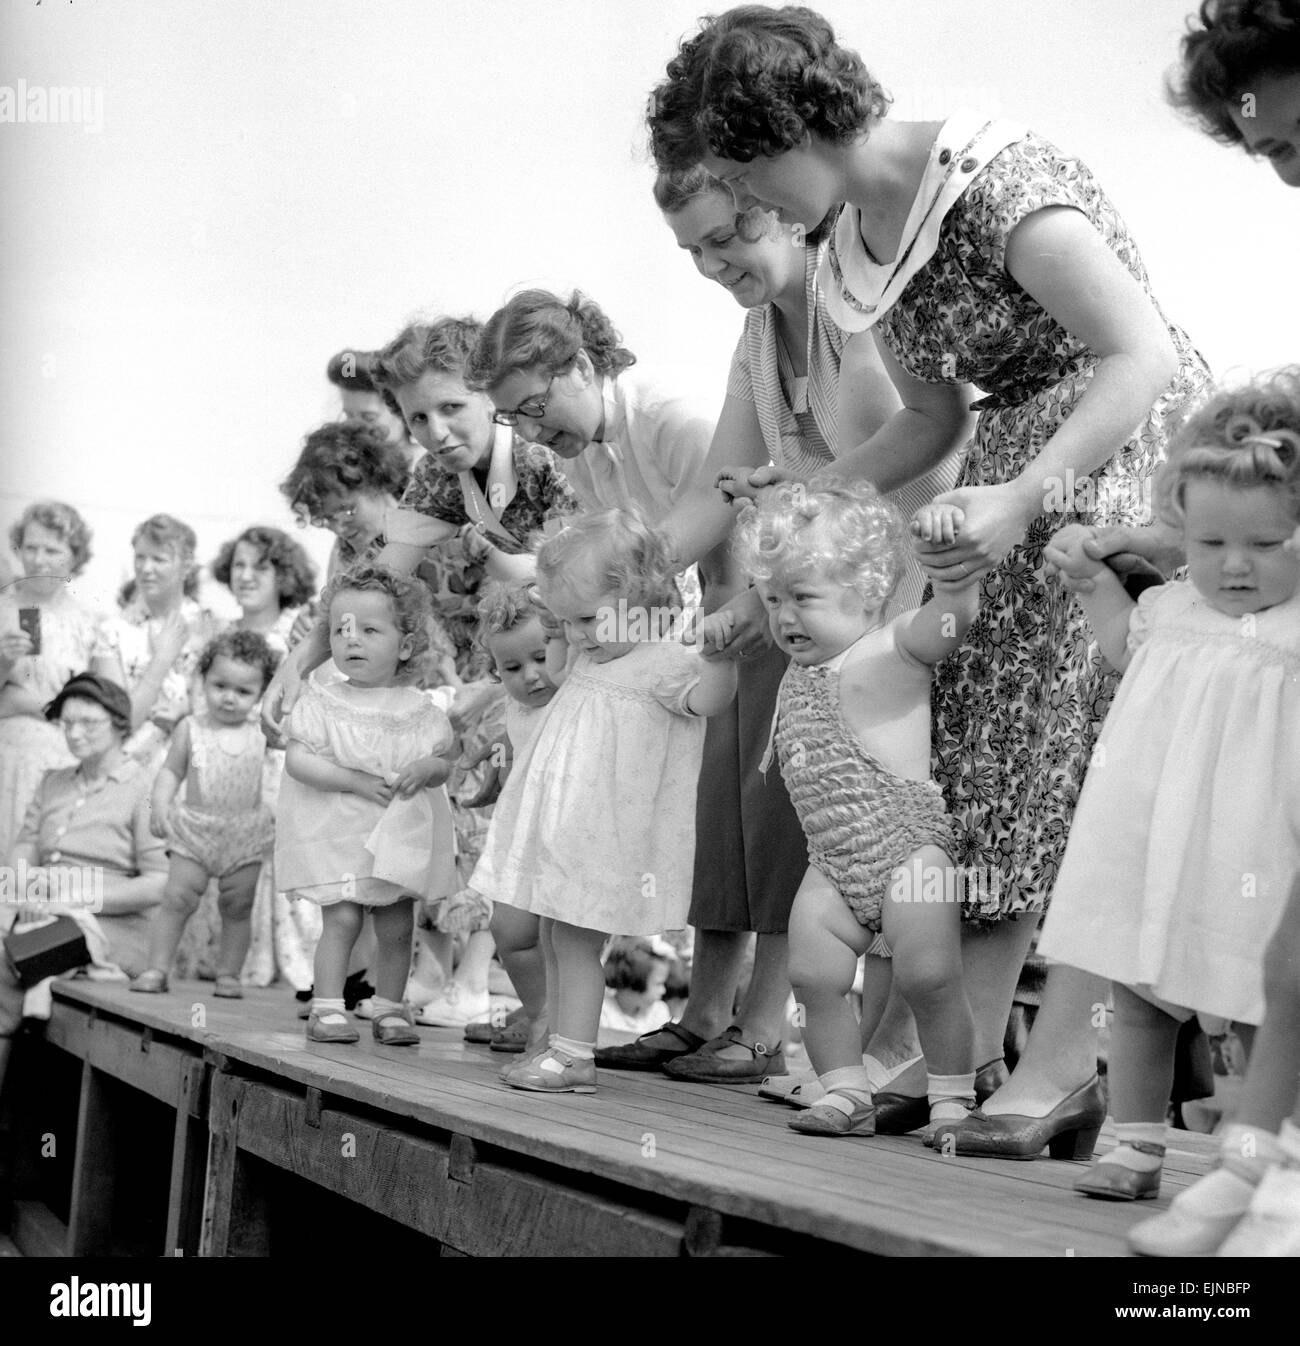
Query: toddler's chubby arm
[168, 780]
[310, 768]
[715, 689]
[1106, 603]
[936, 628]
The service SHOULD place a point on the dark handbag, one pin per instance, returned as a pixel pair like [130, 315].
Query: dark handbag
[46, 950]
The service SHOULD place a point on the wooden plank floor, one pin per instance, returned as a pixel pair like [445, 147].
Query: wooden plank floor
[722, 1148]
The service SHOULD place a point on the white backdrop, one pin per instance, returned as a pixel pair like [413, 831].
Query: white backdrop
[250, 185]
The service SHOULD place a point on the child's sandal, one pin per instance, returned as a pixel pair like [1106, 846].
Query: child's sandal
[153, 981]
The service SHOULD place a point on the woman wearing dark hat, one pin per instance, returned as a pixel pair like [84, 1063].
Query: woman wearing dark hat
[92, 818]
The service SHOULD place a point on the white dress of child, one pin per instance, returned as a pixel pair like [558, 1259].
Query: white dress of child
[335, 847]
[596, 823]
[1187, 833]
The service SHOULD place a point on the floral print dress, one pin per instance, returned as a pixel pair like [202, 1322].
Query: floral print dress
[1018, 707]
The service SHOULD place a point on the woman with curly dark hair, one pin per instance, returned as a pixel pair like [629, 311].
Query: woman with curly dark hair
[1240, 78]
[973, 252]
[271, 577]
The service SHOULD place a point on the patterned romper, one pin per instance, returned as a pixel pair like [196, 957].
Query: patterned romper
[862, 820]
[232, 827]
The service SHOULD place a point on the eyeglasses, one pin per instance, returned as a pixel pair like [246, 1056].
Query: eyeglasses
[87, 724]
[532, 407]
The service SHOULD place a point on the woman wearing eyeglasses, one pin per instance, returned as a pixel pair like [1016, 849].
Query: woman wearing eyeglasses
[88, 824]
[557, 370]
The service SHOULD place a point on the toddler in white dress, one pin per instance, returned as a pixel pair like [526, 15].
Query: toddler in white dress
[1187, 832]
[595, 830]
[363, 822]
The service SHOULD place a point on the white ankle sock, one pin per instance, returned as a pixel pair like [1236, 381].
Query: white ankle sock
[1124, 1154]
[847, 1089]
[329, 1011]
[571, 1047]
[951, 1096]
[382, 1008]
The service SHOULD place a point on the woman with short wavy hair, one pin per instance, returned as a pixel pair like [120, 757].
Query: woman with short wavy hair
[973, 252]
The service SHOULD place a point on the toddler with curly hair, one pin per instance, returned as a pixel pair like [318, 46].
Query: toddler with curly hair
[363, 824]
[852, 733]
[1187, 834]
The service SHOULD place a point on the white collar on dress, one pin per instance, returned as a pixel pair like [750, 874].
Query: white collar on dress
[859, 292]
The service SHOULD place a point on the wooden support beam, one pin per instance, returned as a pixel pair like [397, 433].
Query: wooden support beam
[236, 1216]
[90, 1218]
[189, 1162]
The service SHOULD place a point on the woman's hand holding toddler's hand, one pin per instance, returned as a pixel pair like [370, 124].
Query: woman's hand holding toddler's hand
[1065, 555]
[744, 483]
[714, 633]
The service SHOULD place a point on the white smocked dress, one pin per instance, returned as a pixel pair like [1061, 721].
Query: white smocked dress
[335, 847]
[596, 823]
[1187, 834]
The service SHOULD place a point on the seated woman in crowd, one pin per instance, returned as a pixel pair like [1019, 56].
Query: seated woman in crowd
[94, 818]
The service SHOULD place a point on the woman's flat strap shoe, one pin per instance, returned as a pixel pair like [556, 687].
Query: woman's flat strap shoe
[1069, 1131]
[639, 1055]
[1117, 1182]
[228, 988]
[824, 1120]
[705, 1066]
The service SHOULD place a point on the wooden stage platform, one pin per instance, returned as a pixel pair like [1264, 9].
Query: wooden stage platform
[211, 1127]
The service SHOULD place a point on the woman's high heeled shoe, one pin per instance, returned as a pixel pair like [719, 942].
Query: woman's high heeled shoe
[1117, 1182]
[1069, 1131]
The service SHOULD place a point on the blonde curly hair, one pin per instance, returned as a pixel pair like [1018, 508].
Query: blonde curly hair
[1244, 436]
[614, 551]
[846, 531]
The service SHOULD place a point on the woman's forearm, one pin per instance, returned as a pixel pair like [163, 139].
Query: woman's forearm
[1122, 392]
[312, 650]
[145, 694]
[18, 700]
[122, 896]
[696, 524]
[906, 447]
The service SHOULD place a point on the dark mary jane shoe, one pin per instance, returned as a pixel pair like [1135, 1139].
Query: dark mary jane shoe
[1069, 1131]
[898, 1114]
